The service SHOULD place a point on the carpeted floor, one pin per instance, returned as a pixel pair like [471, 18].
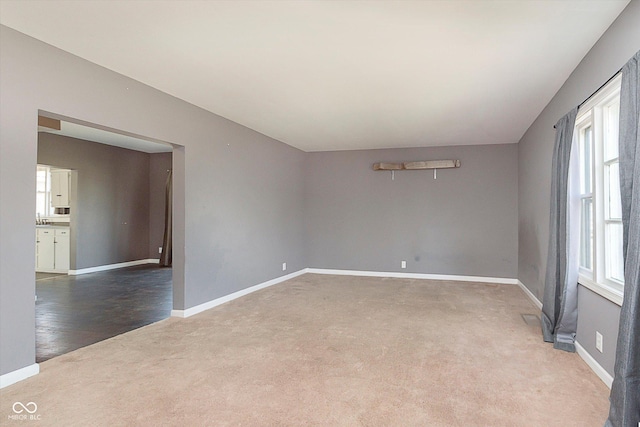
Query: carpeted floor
[327, 351]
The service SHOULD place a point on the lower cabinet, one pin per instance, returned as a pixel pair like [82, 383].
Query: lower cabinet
[62, 251]
[45, 249]
[52, 250]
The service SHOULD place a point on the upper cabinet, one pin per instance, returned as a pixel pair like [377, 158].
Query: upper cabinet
[60, 188]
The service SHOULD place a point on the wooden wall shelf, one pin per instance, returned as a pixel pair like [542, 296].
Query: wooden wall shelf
[427, 164]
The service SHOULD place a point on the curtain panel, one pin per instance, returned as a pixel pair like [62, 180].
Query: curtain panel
[167, 248]
[560, 299]
[625, 391]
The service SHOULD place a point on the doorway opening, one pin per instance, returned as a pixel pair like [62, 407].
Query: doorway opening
[108, 271]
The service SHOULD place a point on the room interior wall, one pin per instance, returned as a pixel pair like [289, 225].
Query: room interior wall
[159, 164]
[111, 222]
[242, 190]
[245, 195]
[462, 223]
[616, 46]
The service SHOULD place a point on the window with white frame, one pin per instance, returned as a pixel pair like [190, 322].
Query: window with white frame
[601, 260]
[43, 191]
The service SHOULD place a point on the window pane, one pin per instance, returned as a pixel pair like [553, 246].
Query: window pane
[585, 161]
[586, 234]
[615, 263]
[41, 204]
[41, 180]
[611, 125]
[614, 208]
[43, 188]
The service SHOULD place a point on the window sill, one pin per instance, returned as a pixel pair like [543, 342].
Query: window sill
[612, 294]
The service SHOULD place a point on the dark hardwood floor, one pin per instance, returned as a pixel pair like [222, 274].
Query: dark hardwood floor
[76, 311]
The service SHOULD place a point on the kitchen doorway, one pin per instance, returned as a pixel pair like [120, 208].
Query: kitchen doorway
[111, 282]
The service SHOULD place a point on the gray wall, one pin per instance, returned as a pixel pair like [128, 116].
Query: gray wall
[462, 223]
[600, 315]
[609, 54]
[240, 205]
[239, 196]
[111, 215]
[159, 163]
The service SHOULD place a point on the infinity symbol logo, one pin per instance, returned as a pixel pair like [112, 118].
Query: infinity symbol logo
[30, 407]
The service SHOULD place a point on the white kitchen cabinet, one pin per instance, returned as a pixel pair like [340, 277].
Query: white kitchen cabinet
[62, 250]
[52, 250]
[45, 248]
[60, 188]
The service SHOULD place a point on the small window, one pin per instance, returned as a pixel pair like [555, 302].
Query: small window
[43, 191]
[601, 260]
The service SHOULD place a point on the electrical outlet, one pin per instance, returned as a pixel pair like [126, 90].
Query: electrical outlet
[599, 341]
[403, 264]
[284, 266]
[160, 250]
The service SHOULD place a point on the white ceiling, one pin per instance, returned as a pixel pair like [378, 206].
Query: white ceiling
[334, 75]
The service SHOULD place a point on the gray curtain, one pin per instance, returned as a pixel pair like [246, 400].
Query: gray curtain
[625, 391]
[560, 300]
[166, 256]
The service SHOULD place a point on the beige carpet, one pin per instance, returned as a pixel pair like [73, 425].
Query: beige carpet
[327, 351]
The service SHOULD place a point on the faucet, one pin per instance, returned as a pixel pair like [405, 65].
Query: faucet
[38, 221]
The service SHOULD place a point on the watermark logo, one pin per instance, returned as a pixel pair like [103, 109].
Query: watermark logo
[20, 407]
[24, 411]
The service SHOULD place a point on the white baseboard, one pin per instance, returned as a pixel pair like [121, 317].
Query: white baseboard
[113, 266]
[218, 301]
[19, 375]
[594, 365]
[481, 279]
[530, 294]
